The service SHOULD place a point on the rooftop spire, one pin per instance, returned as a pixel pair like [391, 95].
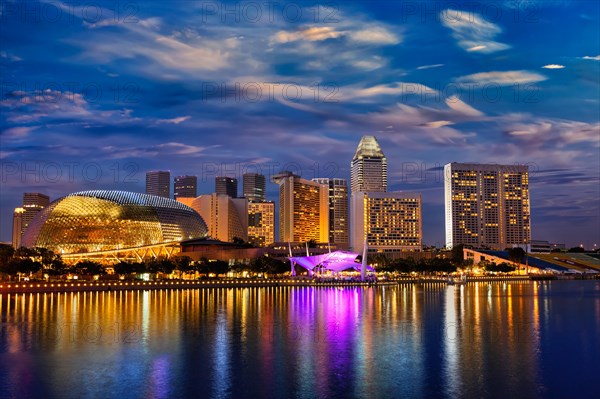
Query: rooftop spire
[368, 148]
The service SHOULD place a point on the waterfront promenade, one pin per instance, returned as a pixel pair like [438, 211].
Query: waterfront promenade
[82, 286]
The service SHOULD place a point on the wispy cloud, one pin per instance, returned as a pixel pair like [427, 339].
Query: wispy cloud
[371, 35]
[502, 78]
[587, 57]
[473, 33]
[430, 66]
[174, 121]
[553, 66]
[314, 33]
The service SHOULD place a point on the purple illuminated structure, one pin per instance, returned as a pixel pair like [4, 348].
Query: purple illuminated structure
[334, 261]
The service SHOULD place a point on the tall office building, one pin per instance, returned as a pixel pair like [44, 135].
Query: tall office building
[225, 217]
[254, 187]
[261, 223]
[158, 183]
[338, 209]
[185, 187]
[303, 209]
[368, 169]
[390, 222]
[226, 186]
[32, 204]
[17, 230]
[487, 206]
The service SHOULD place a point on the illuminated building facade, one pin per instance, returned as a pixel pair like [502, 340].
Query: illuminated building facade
[303, 209]
[158, 182]
[225, 217]
[487, 206]
[226, 186]
[254, 187]
[185, 187]
[33, 203]
[390, 222]
[261, 223]
[368, 169]
[17, 230]
[100, 220]
[338, 209]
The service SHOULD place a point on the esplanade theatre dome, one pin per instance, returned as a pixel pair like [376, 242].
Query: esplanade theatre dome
[101, 220]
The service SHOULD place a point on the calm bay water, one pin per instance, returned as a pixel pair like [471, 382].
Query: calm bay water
[492, 340]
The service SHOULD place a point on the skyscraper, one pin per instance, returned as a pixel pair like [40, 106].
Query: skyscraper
[391, 222]
[185, 187]
[22, 217]
[368, 169]
[487, 206]
[17, 230]
[303, 209]
[226, 186]
[225, 217]
[261, 223]
[254, 187]
[158, 183]
[338, 209]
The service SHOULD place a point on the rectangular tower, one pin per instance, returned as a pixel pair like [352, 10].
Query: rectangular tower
[226, 186]
[487, 205]
[261, 223]
[185, 187]
[254, 187]
[390, 222]
[338, 209]
[303, 209]
[158, 182]
[368, 169]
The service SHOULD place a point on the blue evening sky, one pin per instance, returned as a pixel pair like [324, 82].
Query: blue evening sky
[93, 94]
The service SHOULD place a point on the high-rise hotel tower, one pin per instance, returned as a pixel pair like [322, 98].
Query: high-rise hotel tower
[387, 222]
[303, 209]
[487, 206]
[368, 169]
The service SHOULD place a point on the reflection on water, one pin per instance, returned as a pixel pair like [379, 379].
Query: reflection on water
[478, 340]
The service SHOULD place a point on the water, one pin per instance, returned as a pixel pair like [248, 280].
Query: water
[516, 340]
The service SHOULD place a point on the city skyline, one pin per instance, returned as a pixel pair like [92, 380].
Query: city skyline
[436, 83]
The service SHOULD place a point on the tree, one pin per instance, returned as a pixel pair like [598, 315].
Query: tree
[502, 267]
[123, 268]
[6, 254]
[218, 267]
[458, 255]
[576, 250]
[160, 265]
[89, 268]
[25, 265]
[516, 254]
[312, 243]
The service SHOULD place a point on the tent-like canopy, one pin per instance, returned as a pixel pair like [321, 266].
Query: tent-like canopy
[334, 261]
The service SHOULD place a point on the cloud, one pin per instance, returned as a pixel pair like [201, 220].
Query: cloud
[371, 35]
[461, 107]
[311, 34]
[587, 57]
[374, 35]
[473, 33]
[396, 88]
[10, 56]
[557, 132]
[430, 66]
[502, 78]
[174, 121]
[16, 133]
[553, 66]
